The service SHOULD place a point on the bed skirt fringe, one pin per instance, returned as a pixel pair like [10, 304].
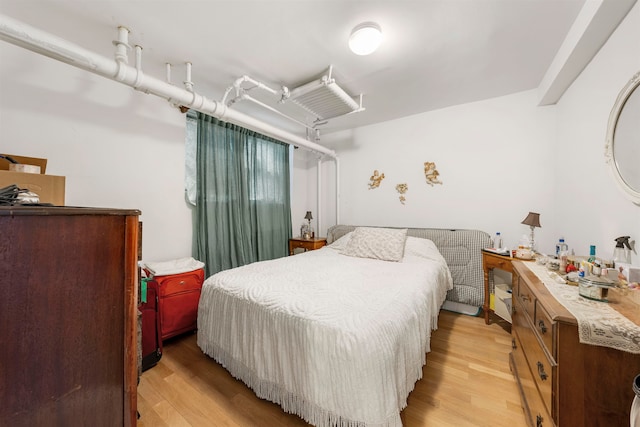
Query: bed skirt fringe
[289, 402]
[366, 372]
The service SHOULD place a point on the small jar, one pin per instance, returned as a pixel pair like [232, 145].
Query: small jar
[596, 270]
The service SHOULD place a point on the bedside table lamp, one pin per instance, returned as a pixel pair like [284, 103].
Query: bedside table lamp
[532, 220]
[308, 217]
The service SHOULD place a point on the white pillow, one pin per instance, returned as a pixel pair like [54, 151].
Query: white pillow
[422, 248]
[341, 243]
[377, 243]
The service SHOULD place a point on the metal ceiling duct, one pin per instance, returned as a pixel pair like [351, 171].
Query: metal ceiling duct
[325, 99]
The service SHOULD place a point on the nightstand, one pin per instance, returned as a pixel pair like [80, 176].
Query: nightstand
[306, 244]
[489, 262]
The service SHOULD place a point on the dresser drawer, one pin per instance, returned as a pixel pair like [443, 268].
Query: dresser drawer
[545, 328]
[534, 407]
[499, 262]
[526, 298]
[541, 367]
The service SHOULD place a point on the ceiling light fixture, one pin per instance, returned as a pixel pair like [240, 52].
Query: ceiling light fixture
[365, 38]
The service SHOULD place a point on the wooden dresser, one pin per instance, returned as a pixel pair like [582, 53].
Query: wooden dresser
[562, 382]
[68, 291]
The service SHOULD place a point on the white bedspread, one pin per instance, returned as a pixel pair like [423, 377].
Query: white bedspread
[334, 339]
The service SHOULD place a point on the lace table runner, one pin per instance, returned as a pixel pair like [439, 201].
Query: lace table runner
[598, 323]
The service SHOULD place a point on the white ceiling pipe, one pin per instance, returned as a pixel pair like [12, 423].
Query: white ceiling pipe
[167, 67]
[255, 82]
[318, 196]
[237, 86]
[31, 38]
[337, 190]
[139, 72]
[246, 97]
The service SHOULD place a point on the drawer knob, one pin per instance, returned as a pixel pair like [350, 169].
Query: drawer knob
[542, 326]
[526, 297]
[541, 372]
[538, 420]
[513, 343]
[182, 283]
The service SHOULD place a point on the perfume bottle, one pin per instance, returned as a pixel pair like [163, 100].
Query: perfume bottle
[592, 253]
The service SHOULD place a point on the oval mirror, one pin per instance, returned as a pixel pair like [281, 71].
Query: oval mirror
[623, 139]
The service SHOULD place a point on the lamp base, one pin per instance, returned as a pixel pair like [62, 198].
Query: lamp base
[532, 242]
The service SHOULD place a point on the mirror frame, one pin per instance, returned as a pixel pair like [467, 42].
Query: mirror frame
[625, 93]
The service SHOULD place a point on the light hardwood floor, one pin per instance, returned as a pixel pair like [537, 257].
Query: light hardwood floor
[466, 382]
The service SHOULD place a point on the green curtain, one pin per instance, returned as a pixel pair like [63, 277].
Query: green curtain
[243, 203]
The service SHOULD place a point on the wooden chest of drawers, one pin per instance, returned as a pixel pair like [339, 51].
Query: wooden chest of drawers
[562, 382]
[68, 292]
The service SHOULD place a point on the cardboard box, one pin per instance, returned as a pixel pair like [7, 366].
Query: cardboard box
[503, 302]
[5, 164]
[49, 188]
[19, 167]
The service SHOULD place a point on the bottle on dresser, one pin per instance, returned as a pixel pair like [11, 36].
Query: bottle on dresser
[497, 241]
[561, 246]
[562, 252]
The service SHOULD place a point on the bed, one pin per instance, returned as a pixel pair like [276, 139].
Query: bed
[338, 335]
[461, 249]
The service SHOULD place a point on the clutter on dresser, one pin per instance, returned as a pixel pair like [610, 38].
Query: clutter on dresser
[622, 251]
[562, 252]
[27, 174]
[595, 287]
[595, 279]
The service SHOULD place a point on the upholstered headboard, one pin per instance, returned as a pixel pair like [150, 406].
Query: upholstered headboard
[460, 248]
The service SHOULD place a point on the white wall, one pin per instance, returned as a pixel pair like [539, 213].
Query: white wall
[500, 159]
[592, 210]
[117, 147]
[302, 200]
[493, 157]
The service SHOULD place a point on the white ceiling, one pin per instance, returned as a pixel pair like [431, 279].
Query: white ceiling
[436, 53]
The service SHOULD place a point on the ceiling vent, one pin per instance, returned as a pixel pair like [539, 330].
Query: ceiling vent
[322, 98]
[325, 99]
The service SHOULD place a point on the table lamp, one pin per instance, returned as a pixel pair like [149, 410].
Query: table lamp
[533, 221]
[308, 217]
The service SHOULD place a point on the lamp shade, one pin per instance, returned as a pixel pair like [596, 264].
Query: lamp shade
[532, 220]
[365, 38]
[308, 216]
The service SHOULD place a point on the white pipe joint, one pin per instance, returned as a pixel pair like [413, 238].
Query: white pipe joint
[238, 82]
[188, 84]
[139, 74]
[168, 70]
[122, 45]
[285, 94]
[226, 93]
[122, 53]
